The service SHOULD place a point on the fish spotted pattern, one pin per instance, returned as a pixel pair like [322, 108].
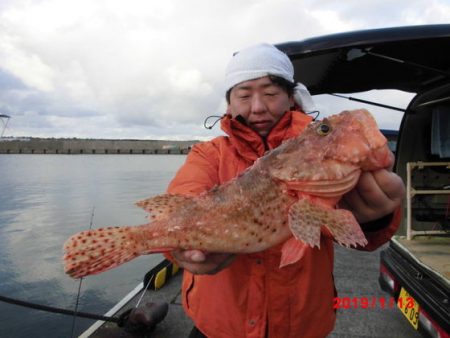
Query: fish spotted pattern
[289, 195]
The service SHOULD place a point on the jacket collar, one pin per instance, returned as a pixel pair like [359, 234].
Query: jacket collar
[251, 145]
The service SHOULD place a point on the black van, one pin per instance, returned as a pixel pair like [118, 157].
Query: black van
[415, 267]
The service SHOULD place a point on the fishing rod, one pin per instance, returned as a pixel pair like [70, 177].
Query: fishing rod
[133, 319]
[80, 283]
[58, 310]
[136, 319]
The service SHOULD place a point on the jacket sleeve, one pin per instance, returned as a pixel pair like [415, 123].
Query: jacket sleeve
[199, 173]
[380, 231]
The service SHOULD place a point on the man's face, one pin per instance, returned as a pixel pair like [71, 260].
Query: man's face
[260, 102]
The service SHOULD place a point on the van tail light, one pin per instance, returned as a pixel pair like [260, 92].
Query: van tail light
[427, 324]
[389, 280]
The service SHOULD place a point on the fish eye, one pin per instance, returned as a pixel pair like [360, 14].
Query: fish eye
[323, 129]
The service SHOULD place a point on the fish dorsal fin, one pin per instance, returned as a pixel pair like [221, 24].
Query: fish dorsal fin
[162, 205]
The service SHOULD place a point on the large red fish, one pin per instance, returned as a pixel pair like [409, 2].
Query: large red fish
[289, 195]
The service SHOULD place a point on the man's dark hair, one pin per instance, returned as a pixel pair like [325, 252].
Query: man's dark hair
[284, 84]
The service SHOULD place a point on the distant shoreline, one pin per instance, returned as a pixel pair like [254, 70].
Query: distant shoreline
[34, 145]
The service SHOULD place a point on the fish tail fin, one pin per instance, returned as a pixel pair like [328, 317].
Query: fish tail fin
[94, 251]
[162, 206]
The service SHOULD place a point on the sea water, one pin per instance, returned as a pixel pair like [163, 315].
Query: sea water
[46, 198]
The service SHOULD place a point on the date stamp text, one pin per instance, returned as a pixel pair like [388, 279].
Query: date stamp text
[372, 302]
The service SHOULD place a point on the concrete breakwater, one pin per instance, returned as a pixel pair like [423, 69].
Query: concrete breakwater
[34, 145]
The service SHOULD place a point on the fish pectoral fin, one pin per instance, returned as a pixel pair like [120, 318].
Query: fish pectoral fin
[162, 205]
[345, 229]
[306, 219]
[292, 251]
[305, 222]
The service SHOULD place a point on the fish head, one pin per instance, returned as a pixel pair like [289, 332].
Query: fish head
[351, 137]
[335, 149]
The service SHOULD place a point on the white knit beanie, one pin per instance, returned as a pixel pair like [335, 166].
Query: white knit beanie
[262, 60]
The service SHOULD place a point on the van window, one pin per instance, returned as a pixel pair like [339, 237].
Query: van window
[440, 132]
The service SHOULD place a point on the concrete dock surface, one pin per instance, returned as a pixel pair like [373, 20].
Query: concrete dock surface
[356, 276]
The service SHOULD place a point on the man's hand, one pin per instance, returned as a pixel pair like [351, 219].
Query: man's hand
[201, 263]
[376, 194]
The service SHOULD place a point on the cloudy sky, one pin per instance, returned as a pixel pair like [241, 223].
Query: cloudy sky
[153, 69]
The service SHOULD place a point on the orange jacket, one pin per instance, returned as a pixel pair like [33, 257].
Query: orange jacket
[253, 297]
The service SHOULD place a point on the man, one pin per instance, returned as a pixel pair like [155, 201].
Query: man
[249, 295]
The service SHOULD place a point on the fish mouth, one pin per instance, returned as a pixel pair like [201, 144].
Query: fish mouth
[329, 188]
[381, 157]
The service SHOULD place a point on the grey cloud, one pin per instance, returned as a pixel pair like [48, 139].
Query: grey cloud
[9, 82]
[386, 13]
[89, 70]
